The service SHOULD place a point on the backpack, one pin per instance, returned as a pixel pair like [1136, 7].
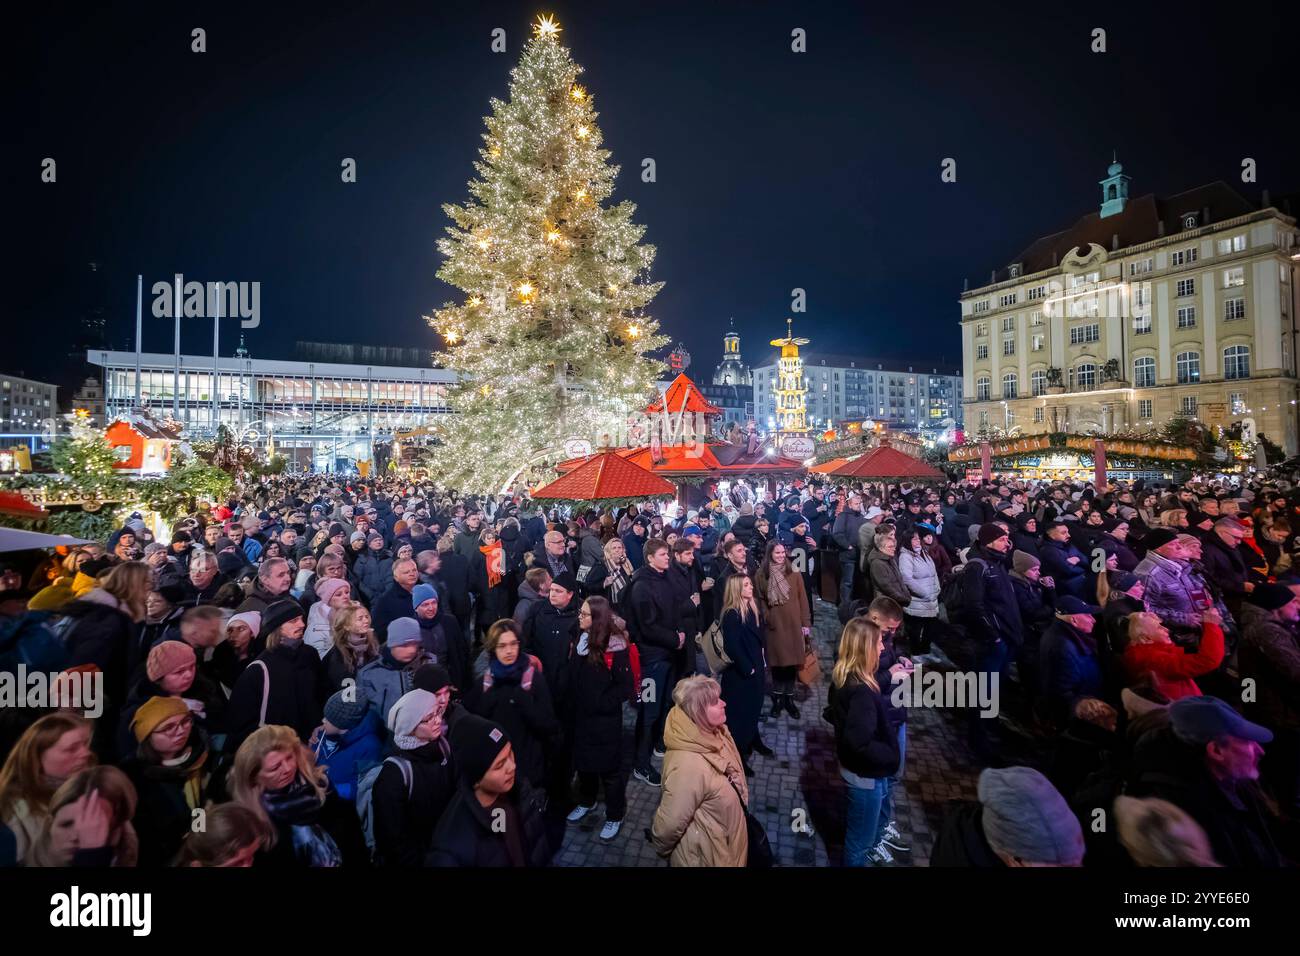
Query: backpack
[710, 643]
[366, 796]
[952, 596]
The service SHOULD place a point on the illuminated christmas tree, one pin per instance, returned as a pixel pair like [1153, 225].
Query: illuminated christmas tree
[552, 337]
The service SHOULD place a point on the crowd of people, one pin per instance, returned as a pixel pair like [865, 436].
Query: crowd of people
[326, 671]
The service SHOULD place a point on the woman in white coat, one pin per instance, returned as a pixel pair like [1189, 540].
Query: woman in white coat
[334, 593]
[921, 616]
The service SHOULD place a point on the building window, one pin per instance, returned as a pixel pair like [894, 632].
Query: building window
[1144, 408]
[1233, 278]
[1141, 324]
[1009, 323]
[1142, 294]
[981, 329]
[1007, 299]
[1236, 361]
[1144, 372]
[1238, 400]
[1187, 317]
[981, 351]
[1087, 375]
[981, 307]
[1141, 266]
[1234, 309]
[1036, 342]
[1084, 333]
[1231, 245]
[1036, 318]
[1038, 382]
[1189, 367]
[1189, 221]
[1009, 384]
[1189, 405]
[982, 386]
[1038, 415]
[1186, 287]
[1037, 292]
[1182, 256]
[1009, 345]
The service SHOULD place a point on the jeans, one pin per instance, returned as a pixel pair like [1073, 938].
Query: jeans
[865, 821]
[848, 566]
[653, 709]
[893, 783]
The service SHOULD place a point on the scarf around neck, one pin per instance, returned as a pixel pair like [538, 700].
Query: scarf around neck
[778, 588]
[494, 555]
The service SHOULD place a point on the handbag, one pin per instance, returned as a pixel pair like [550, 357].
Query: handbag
[811, 670]
[760, 855]
[711, 645]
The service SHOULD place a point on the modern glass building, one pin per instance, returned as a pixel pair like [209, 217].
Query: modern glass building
[322, 416]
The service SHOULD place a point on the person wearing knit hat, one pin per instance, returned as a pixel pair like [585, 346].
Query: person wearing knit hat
[469, 834]
[1273, 597]
[421, 593]
[153, 712]
[1022, 562]
[171, 665]
[281, 613]
[1026, 821]
[989, 533]
[169, 769]
[335, 594]
[415, 719]
[242, 629]
[1158, 538]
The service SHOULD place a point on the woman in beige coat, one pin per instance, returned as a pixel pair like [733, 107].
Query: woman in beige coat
[701, 815]
[787, 622]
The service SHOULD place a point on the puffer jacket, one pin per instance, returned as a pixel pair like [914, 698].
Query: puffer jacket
[922, 580]
[384, 680]
[887, 579]
[1271, 655]
[1170, 591]
[701, 820]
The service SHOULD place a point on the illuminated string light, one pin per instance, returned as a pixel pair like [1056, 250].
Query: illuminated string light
[583, 132]
[546, 26]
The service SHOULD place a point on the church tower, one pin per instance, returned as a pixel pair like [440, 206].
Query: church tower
[1114, 189]
[732, 370]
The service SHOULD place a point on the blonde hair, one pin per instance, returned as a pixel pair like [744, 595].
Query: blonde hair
[273, 738]
[1158, 833]
[696, 694]
[1169, 519]
[22, 780]
[130, 582]
[732, 601]
[610, 564]
[859, 654]
[341, 626]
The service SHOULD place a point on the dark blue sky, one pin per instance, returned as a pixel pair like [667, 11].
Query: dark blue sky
[775, 170]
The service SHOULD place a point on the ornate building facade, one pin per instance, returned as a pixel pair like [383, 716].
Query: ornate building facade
[1147, 309]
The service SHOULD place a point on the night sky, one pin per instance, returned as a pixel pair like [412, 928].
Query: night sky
[775, 170]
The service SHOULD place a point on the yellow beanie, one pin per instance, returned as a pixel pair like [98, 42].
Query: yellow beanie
[153, 712]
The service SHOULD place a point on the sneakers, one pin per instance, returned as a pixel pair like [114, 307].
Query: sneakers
[649, 775]
[893, 840]
[659, 752]
[610, 829]
[880, 854]
[578, 812]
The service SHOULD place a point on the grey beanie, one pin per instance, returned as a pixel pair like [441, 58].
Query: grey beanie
[1022, 561]
[974, 532]
[343, 713]
[1026, 817]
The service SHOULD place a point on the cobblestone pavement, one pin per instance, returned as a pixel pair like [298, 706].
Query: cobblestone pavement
[804, 776]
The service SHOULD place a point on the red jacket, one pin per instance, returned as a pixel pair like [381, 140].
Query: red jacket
[1172, 668]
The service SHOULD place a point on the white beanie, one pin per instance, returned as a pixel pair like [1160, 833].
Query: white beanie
[405, 715]
[252, 618]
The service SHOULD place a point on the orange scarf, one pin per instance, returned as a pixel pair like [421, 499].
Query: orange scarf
[495, 556]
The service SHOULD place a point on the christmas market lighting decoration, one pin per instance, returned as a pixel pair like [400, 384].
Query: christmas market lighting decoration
[583, 132]
[563, 363]
[546, 26]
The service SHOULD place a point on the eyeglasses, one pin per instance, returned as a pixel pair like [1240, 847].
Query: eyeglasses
[182, 724]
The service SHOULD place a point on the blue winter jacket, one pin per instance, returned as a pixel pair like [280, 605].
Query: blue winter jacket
[349, 756]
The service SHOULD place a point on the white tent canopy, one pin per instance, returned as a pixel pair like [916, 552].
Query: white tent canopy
[12, 539]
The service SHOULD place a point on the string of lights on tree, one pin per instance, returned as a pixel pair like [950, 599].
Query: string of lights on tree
[552, 337]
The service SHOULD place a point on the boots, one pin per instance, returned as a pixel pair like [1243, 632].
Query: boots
[790, 708]
[762, 749]
[777, 705]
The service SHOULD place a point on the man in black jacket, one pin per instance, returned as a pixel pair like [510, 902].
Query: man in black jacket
[654, 623]
[991, 616]
[686, 579]
[495, 819]
[416, 783]
[1224, 565]
[554, 627]
[396, 601]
